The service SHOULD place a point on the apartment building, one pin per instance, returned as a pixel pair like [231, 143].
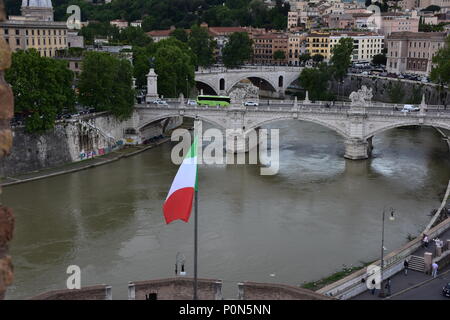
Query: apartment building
[318, 43]
[398, 22]
[366, 44]
[296, 48]
[412, 52]
[35, 29]
[265, 45]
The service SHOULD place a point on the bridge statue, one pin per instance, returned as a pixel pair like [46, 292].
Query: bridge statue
[361, 97]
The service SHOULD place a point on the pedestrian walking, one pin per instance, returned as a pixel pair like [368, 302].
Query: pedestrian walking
[425, 241]
[406, 266]
[388, 286]
[434, 268]
[373, 286]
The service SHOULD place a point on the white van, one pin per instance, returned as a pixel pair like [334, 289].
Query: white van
[410, 108]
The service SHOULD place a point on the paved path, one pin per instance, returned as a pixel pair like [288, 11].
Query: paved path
[415, 285]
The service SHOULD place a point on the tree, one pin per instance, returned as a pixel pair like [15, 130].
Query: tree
[279, 55]
[42, 89]
[440, 72]
[315, 81]
[202, 45]
[175, 71]
[237, 50]
[396, 92]
[106, 84]
[432, 8]
[341, 58]
[379, 59]
[134, 36]
[303, 58]
[179, 34]
[318, 58]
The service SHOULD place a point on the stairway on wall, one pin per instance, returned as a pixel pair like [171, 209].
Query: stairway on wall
[417, 263]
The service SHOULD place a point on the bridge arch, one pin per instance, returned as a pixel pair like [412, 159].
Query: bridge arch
[175, 114]
[404, 124]
[235, 82]
[328, 125]
[208, 85]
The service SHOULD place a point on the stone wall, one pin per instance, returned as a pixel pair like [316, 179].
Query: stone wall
[70, 141]
[175, 289]
[99, 292]
[6, 113]
[272, 291]
[380, 89]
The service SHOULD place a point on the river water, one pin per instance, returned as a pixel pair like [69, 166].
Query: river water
[318, 213]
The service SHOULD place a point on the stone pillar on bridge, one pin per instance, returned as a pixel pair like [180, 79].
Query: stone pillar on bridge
[356, 149]
[152, 85]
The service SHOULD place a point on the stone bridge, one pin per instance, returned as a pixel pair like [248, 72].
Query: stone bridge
[356, 124]
[222, 80]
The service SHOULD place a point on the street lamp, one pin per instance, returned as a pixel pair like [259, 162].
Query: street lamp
[391, 218]
[187, 87]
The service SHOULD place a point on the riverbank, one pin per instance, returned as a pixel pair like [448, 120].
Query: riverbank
[113, 156]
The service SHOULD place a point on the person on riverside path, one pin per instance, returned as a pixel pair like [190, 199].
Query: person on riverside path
[406, 266]
[425, 241]
[434, 271]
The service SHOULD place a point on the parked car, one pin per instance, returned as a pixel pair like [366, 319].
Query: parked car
[191, 102]
[446, 290]
[159, 101]
[410, 108]
[251, 103]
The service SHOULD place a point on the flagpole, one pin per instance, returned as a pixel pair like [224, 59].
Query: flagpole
[195, 243]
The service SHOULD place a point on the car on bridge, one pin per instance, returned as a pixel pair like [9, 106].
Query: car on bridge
[410, 108]
[191, 102]
[251, 103]
[160, 102]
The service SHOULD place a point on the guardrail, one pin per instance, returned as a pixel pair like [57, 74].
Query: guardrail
[353, 285]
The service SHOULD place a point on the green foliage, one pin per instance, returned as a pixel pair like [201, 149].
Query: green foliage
[379, 59]
[318, 58]
[161, 14]
[202, 45]
[134, 36]
[396, 92]
[416, 95]
[341, 58]
[315, 81]
[175, 68]
[440, 73]
[174, 62]
[179, 34]
[432, 8]
[279, 55]
[99, 30]
[237, 50]
[303, 58]
[42, 89]
[106, 84]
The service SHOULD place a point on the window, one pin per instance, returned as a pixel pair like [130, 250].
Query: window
[18, 42]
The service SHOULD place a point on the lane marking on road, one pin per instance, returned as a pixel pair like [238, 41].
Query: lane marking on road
[417, 285]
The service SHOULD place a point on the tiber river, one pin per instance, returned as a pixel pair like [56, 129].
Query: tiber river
[318, 213]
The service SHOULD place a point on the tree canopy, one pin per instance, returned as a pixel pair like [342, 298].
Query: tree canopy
[161, 14]
[42, 89]
[202, 45]
[341, 58]
[106, 84]
[237, 50]
[315, 81]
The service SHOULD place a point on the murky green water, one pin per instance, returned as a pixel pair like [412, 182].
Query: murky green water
[320, 212]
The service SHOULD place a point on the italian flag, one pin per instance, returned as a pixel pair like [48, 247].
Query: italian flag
[178, 203]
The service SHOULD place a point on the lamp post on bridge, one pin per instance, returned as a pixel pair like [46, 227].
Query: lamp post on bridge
[391, 218]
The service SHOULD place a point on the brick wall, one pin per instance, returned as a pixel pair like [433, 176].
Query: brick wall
[269, 291]
[99, 292]
[6, 113]
[175, 289]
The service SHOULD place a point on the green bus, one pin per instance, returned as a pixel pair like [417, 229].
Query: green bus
[213, 100]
